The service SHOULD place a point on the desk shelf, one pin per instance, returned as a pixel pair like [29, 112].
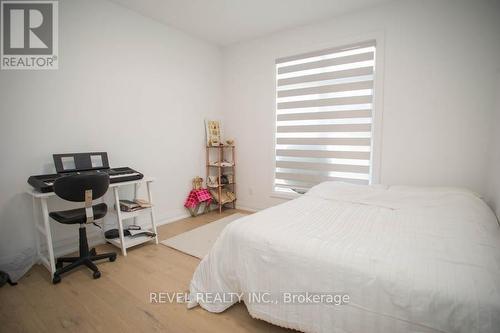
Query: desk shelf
[124, 242]
[131, 241]
[43, 226]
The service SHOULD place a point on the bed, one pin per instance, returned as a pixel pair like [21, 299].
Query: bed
[410, 260]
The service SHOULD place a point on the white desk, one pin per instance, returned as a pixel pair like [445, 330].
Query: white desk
[44, 232]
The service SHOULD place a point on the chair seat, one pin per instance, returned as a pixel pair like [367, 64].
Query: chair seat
[75, 216]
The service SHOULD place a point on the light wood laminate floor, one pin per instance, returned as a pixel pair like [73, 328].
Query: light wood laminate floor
[119, 300]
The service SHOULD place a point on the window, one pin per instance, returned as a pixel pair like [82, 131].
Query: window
[324, 117]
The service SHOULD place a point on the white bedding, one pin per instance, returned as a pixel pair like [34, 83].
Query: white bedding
[410, 259]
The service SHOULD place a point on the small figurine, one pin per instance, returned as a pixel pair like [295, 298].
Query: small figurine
[212, 181]
[197, 183]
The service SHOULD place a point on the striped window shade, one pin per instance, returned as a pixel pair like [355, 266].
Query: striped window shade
[324, 117]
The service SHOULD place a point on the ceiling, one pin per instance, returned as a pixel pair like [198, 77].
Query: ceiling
[225, 22]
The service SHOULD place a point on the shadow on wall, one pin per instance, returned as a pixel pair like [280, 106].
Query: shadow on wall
[16, 228]
[494, 175]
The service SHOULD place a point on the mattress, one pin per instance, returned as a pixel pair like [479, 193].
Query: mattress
[409, 260]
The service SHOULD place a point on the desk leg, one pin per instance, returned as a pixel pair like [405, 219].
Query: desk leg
[120, 224]
[36, 219]
[136, 194]
[48, 235]
[153, 219]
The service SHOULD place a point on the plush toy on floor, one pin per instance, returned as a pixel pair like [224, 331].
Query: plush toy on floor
[197, 197]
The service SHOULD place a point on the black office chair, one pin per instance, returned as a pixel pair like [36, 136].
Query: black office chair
[81, 188]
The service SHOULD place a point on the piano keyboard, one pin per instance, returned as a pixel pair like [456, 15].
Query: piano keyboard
[124, 175]
[45, 183]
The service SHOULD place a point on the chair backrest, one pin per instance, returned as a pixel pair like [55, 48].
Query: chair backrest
[73, 187]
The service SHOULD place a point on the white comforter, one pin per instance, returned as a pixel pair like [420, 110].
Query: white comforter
[410, 259]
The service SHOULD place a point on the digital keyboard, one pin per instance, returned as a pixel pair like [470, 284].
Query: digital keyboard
[82, 163]
[44, 183]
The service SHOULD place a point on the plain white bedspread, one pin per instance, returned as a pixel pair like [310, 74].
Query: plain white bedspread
[411, 260]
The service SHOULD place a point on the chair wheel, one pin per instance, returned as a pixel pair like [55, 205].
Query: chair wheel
[112, 258]
[97, 275]
[56, 279]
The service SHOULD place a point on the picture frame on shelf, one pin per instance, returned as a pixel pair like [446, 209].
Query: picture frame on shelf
[213, 130]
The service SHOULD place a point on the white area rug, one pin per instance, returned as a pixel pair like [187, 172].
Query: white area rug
[199, 241]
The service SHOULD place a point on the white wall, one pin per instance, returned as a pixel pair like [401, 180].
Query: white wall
[440, 63]
[140, 91]
[126, 85]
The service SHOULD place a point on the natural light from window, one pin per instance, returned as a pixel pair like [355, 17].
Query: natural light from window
[324, 117]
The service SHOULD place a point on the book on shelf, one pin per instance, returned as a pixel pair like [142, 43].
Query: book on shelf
[133, 205]
[139, 232]
[131, 232]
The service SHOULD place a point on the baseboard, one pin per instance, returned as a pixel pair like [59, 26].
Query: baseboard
[67, 245]
[174, 218]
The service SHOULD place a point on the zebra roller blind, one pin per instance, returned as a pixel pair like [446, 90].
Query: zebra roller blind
[324, 117]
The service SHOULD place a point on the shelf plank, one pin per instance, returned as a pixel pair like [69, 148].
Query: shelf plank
[222, 185]
[130, 215]
[131, 241]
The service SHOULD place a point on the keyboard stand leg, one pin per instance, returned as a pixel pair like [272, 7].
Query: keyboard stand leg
[38, 227]
[153, 218]
[120, 223]
[136, 196]
[48, 235]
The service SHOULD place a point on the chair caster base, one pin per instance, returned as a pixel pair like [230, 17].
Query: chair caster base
[97, 275]
[56, 279]
[112, 258]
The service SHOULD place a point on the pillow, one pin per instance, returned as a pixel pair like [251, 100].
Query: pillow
[433, 190]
